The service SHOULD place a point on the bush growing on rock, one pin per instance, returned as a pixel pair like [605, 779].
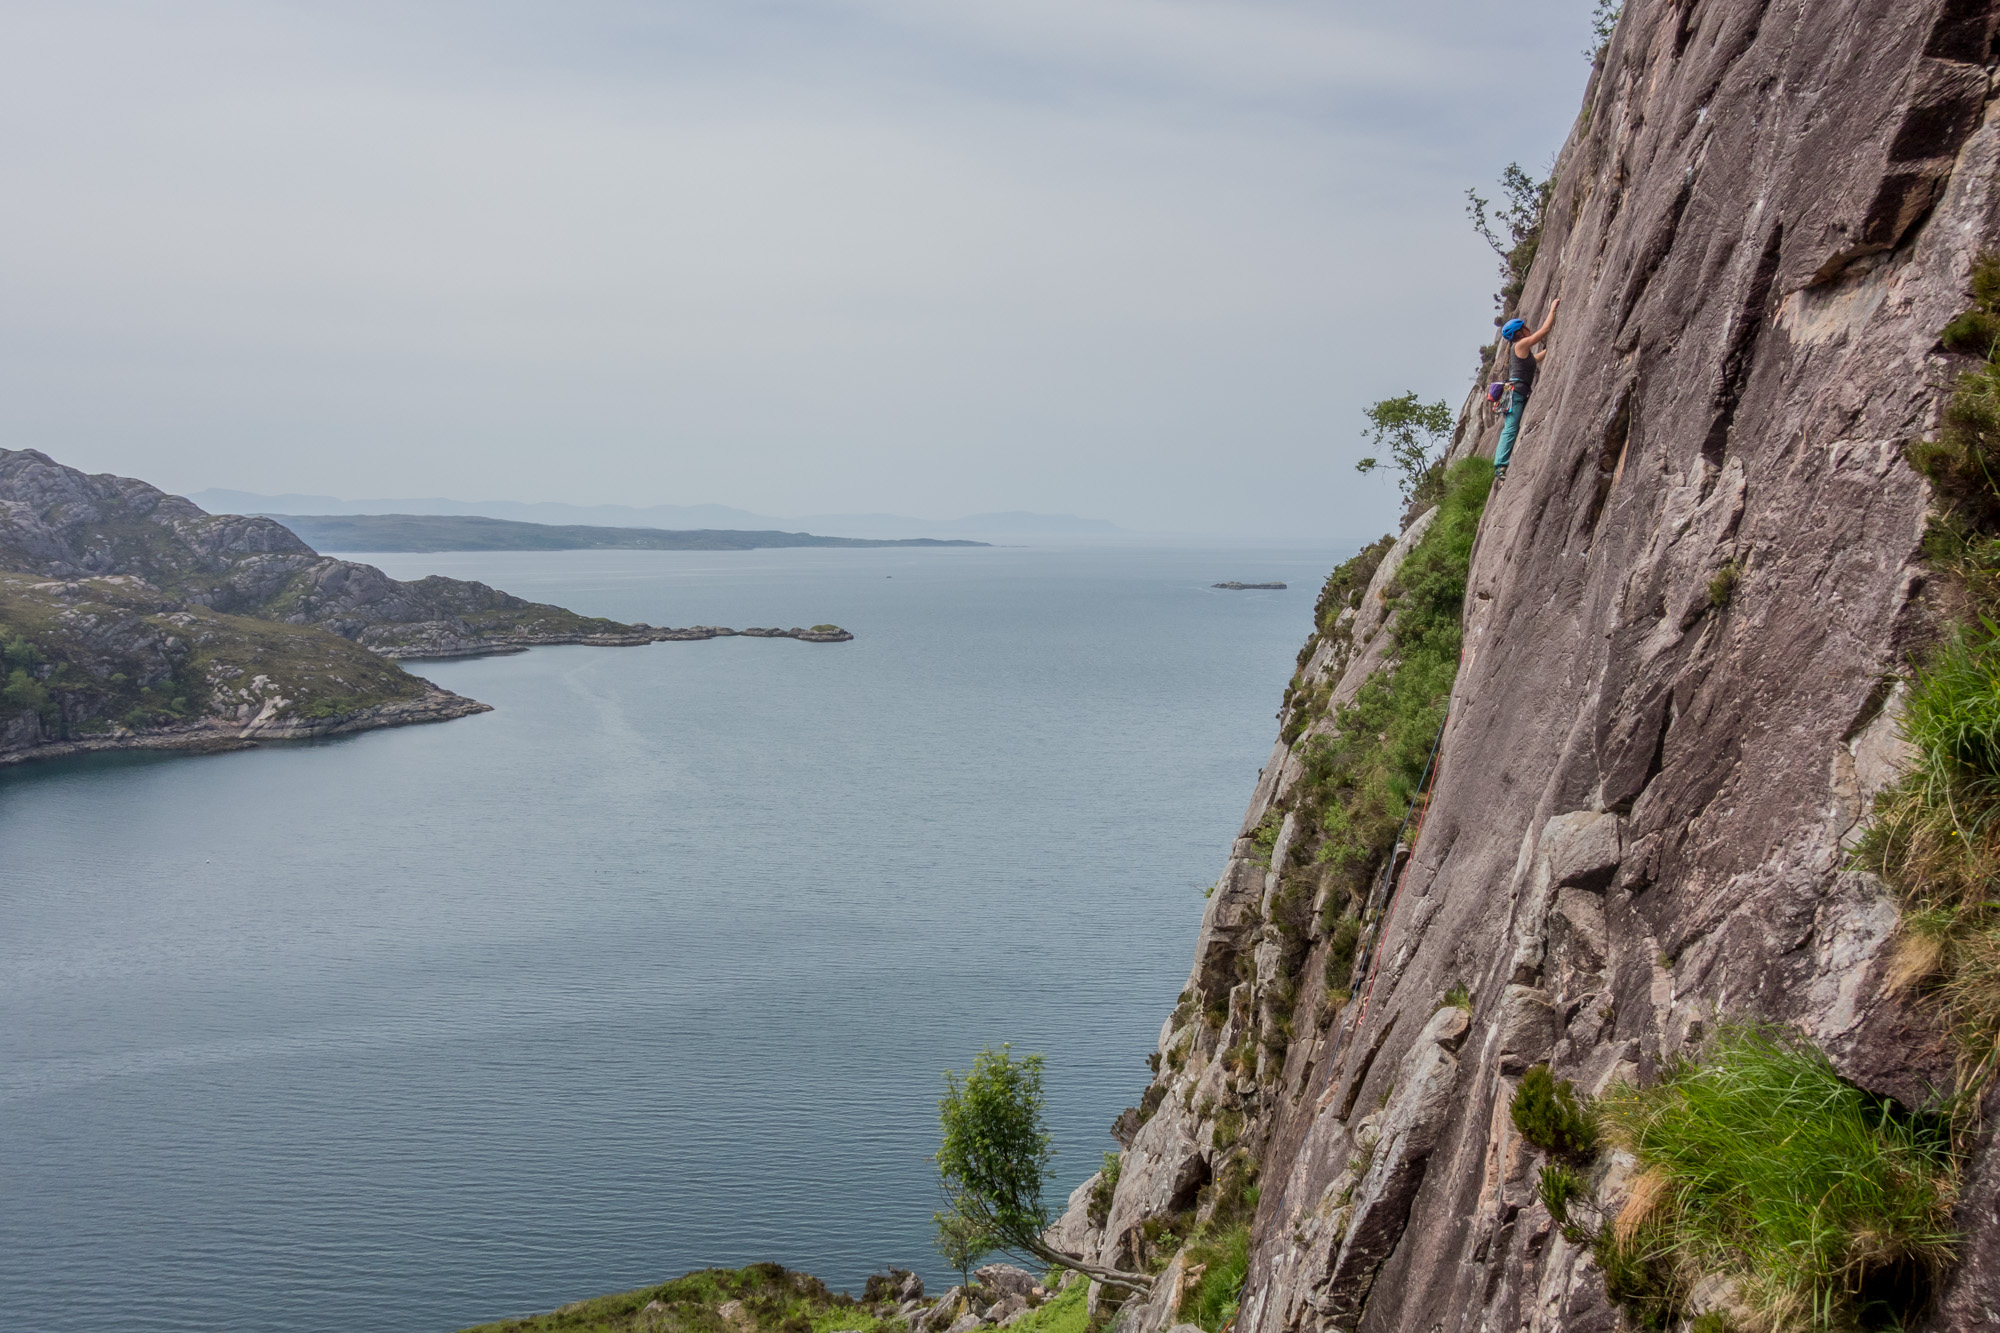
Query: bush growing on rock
[1547, 1112]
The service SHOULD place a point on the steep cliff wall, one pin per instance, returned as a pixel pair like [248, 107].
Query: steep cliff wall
[1766, 212]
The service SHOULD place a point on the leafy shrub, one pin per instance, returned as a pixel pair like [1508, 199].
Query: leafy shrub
[1546, 1111]
[1722, 587]
[1343, 588]
[1265, 836]
[1458, 997]
[1818, 1198]
[24, 692]
[1340, 950]
[1523, 202]
[1976, 332]
[1099, 1209]
[1603, 22]
[1416, 435]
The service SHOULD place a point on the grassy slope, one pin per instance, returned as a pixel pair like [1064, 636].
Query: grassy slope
[774, 1301]
[112, 654]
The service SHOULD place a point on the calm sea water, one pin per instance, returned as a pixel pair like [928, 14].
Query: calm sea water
[656, 966]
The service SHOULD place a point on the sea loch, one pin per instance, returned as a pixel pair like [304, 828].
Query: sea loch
[654, 966]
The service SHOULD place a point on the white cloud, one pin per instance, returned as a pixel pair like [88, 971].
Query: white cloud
[1144, 260]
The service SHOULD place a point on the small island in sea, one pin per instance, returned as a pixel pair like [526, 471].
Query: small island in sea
[1245, 587]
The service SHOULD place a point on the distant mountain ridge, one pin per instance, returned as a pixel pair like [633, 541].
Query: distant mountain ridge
[1000, 525]
[471, 532]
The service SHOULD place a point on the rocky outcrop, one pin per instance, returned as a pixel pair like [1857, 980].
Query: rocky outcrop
[1685, 608]
[212, 734]
[129, 618]
[63, 524]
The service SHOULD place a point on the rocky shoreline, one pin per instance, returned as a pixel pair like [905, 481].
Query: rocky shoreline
[214, 735]
[639, 635]
[768, 1298]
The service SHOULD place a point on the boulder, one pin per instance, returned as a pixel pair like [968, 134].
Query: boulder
[1005, 1308]
[1007, 1280]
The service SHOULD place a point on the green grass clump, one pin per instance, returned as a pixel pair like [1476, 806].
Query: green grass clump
[1558, 1187]
[1360, 781]
[1935, 836]
[1722, 588]
[1106, 1185]
[1830, 1208]
[1211, 1300]
[775, 1300]
[1068, 1311]
[1549, 1115]
[1344, 940]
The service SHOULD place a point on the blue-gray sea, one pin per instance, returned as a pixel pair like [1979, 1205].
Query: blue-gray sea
[656, 966]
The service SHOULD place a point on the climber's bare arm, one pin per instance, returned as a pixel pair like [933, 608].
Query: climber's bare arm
[1527, 341]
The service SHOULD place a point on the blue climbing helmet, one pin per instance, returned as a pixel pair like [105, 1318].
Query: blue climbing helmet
[1512, 329]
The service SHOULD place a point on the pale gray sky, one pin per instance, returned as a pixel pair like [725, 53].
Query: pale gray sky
[1144, 260]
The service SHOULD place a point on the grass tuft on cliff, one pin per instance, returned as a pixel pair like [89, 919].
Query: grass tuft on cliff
[1935, 835]
[771, 1299]
[1360, 781]
[1068, 1311]
[1224, 1257]
[1362, 773]
[1829, 1207]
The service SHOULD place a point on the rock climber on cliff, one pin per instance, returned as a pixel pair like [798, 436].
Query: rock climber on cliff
[1524, 356]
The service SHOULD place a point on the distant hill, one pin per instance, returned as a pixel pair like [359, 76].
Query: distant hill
[466, 532]
[1011, 525]
[130, 618]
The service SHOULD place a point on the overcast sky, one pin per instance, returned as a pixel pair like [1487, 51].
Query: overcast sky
[1143, 260]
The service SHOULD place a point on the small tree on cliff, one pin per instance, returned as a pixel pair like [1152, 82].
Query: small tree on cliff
[961, 1242]
[993, 1163]
[1523, 201]
[1415, 435]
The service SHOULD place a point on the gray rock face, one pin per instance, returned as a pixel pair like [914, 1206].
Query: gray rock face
[1647, 791]
[1007, 1280]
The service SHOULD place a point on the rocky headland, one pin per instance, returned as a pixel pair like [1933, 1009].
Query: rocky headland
[132, 619]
